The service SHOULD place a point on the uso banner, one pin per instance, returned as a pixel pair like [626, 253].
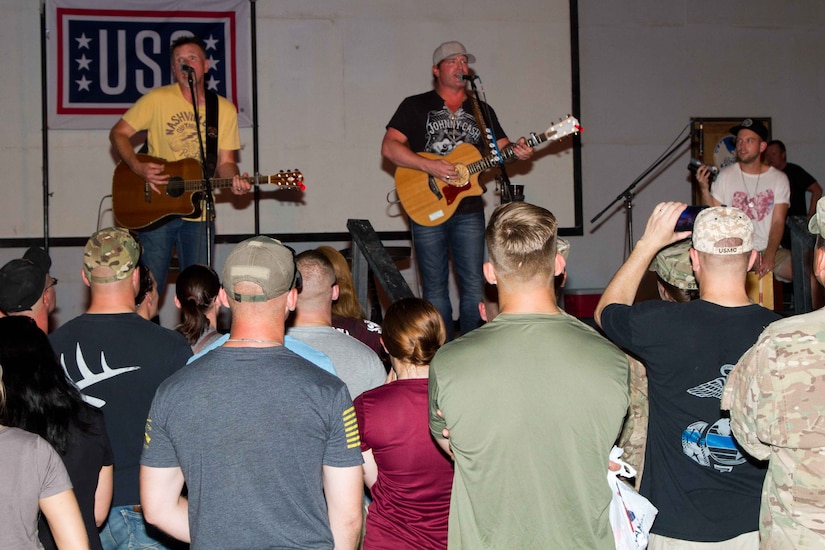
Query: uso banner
[101, 60]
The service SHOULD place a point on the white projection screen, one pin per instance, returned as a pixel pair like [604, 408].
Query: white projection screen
[329, 76]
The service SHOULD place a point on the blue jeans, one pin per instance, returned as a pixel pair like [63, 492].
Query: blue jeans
[462, 238]
[126, 530]
[188, 237]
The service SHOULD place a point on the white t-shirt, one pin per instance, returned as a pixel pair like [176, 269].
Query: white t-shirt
[755, 195]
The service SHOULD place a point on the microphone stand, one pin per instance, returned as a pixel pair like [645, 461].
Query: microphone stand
[509, 192]
[208, 197]
[627, 194]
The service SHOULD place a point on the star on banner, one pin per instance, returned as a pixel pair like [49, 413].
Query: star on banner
[212, 84]
[211, 43]
[83, 84]
[83, 42]
[83, 63]
[213, 64]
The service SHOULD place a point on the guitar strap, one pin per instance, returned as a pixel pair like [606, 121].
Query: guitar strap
[211, 132]
[485, 134]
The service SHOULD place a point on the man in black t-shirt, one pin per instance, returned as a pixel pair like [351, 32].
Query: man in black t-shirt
[437, 122]
[800, 180]
[117, 360]
[707, 489]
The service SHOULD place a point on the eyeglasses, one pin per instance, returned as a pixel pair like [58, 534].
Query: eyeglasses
[52, 282]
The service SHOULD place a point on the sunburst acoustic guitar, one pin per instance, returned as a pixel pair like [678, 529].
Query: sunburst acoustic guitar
[430, 201]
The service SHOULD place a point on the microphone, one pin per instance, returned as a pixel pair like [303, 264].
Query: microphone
[469, 77]
[184, 68]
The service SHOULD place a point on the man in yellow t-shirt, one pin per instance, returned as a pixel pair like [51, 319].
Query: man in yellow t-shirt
[166, 114]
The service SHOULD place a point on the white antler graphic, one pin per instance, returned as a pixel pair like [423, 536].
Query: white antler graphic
[89, 378]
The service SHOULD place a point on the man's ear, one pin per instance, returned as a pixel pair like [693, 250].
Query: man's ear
[489, 273]
[83, 276]
[336, 290]
[292, 299]
[136, 281]
[753, 258]
[694, 259]
[819, 262]
[223, 299]
[482, 311]
[561, 263]
[763, 146]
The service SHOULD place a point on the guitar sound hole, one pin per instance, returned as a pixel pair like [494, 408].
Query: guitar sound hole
[175, 187]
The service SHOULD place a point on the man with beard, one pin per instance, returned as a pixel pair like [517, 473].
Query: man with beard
[759, 190]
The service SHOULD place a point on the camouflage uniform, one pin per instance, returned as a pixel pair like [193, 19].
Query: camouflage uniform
[776, 395]
[634, 431]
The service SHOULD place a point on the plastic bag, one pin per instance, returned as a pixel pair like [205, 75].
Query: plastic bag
[631, 514]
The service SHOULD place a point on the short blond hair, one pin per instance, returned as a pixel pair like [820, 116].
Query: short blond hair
[521, 241]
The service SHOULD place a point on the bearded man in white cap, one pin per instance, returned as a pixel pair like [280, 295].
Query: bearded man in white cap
[436, 122]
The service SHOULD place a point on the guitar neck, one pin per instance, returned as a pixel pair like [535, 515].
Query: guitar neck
[222, 183]
[506, 154]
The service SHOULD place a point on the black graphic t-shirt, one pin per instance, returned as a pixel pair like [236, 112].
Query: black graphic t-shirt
[117, 361]
[430, 127]
[705, 487]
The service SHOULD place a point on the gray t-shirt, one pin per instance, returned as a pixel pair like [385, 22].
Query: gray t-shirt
[252, 428]
[356, 364]
[30, 469]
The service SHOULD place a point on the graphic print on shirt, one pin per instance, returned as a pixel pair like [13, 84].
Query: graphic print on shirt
[180, 133]
[446, 130]
[712, 446]
[89, 378]
[756, 209]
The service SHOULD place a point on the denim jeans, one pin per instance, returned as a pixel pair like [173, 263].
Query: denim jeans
[462, 238]
[188, 237]
[126, 530]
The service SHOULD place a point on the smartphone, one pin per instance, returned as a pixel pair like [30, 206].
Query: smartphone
[688, 217]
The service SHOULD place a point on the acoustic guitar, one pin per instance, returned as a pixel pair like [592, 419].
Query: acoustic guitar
[430, 201]
[136, 206]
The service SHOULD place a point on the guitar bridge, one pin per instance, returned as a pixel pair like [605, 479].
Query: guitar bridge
[147, 192]
[434, 188]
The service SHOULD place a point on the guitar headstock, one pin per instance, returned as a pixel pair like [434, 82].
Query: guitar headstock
[287, 179]
[563, 128]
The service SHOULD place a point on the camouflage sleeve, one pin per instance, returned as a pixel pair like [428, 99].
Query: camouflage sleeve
[634, 430]
[748, 394]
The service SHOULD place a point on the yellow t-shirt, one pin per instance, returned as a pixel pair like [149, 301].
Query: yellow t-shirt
[170, 123]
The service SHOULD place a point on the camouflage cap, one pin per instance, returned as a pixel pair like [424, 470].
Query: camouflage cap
[563, 247]
[720, 223]
[263, 261]
[672, 264]
[22, 283]
[451, 49]
[110, 255]
[817, 223]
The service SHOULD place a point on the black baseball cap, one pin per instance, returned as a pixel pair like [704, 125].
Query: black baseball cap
[752, 125]
[22, 283]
